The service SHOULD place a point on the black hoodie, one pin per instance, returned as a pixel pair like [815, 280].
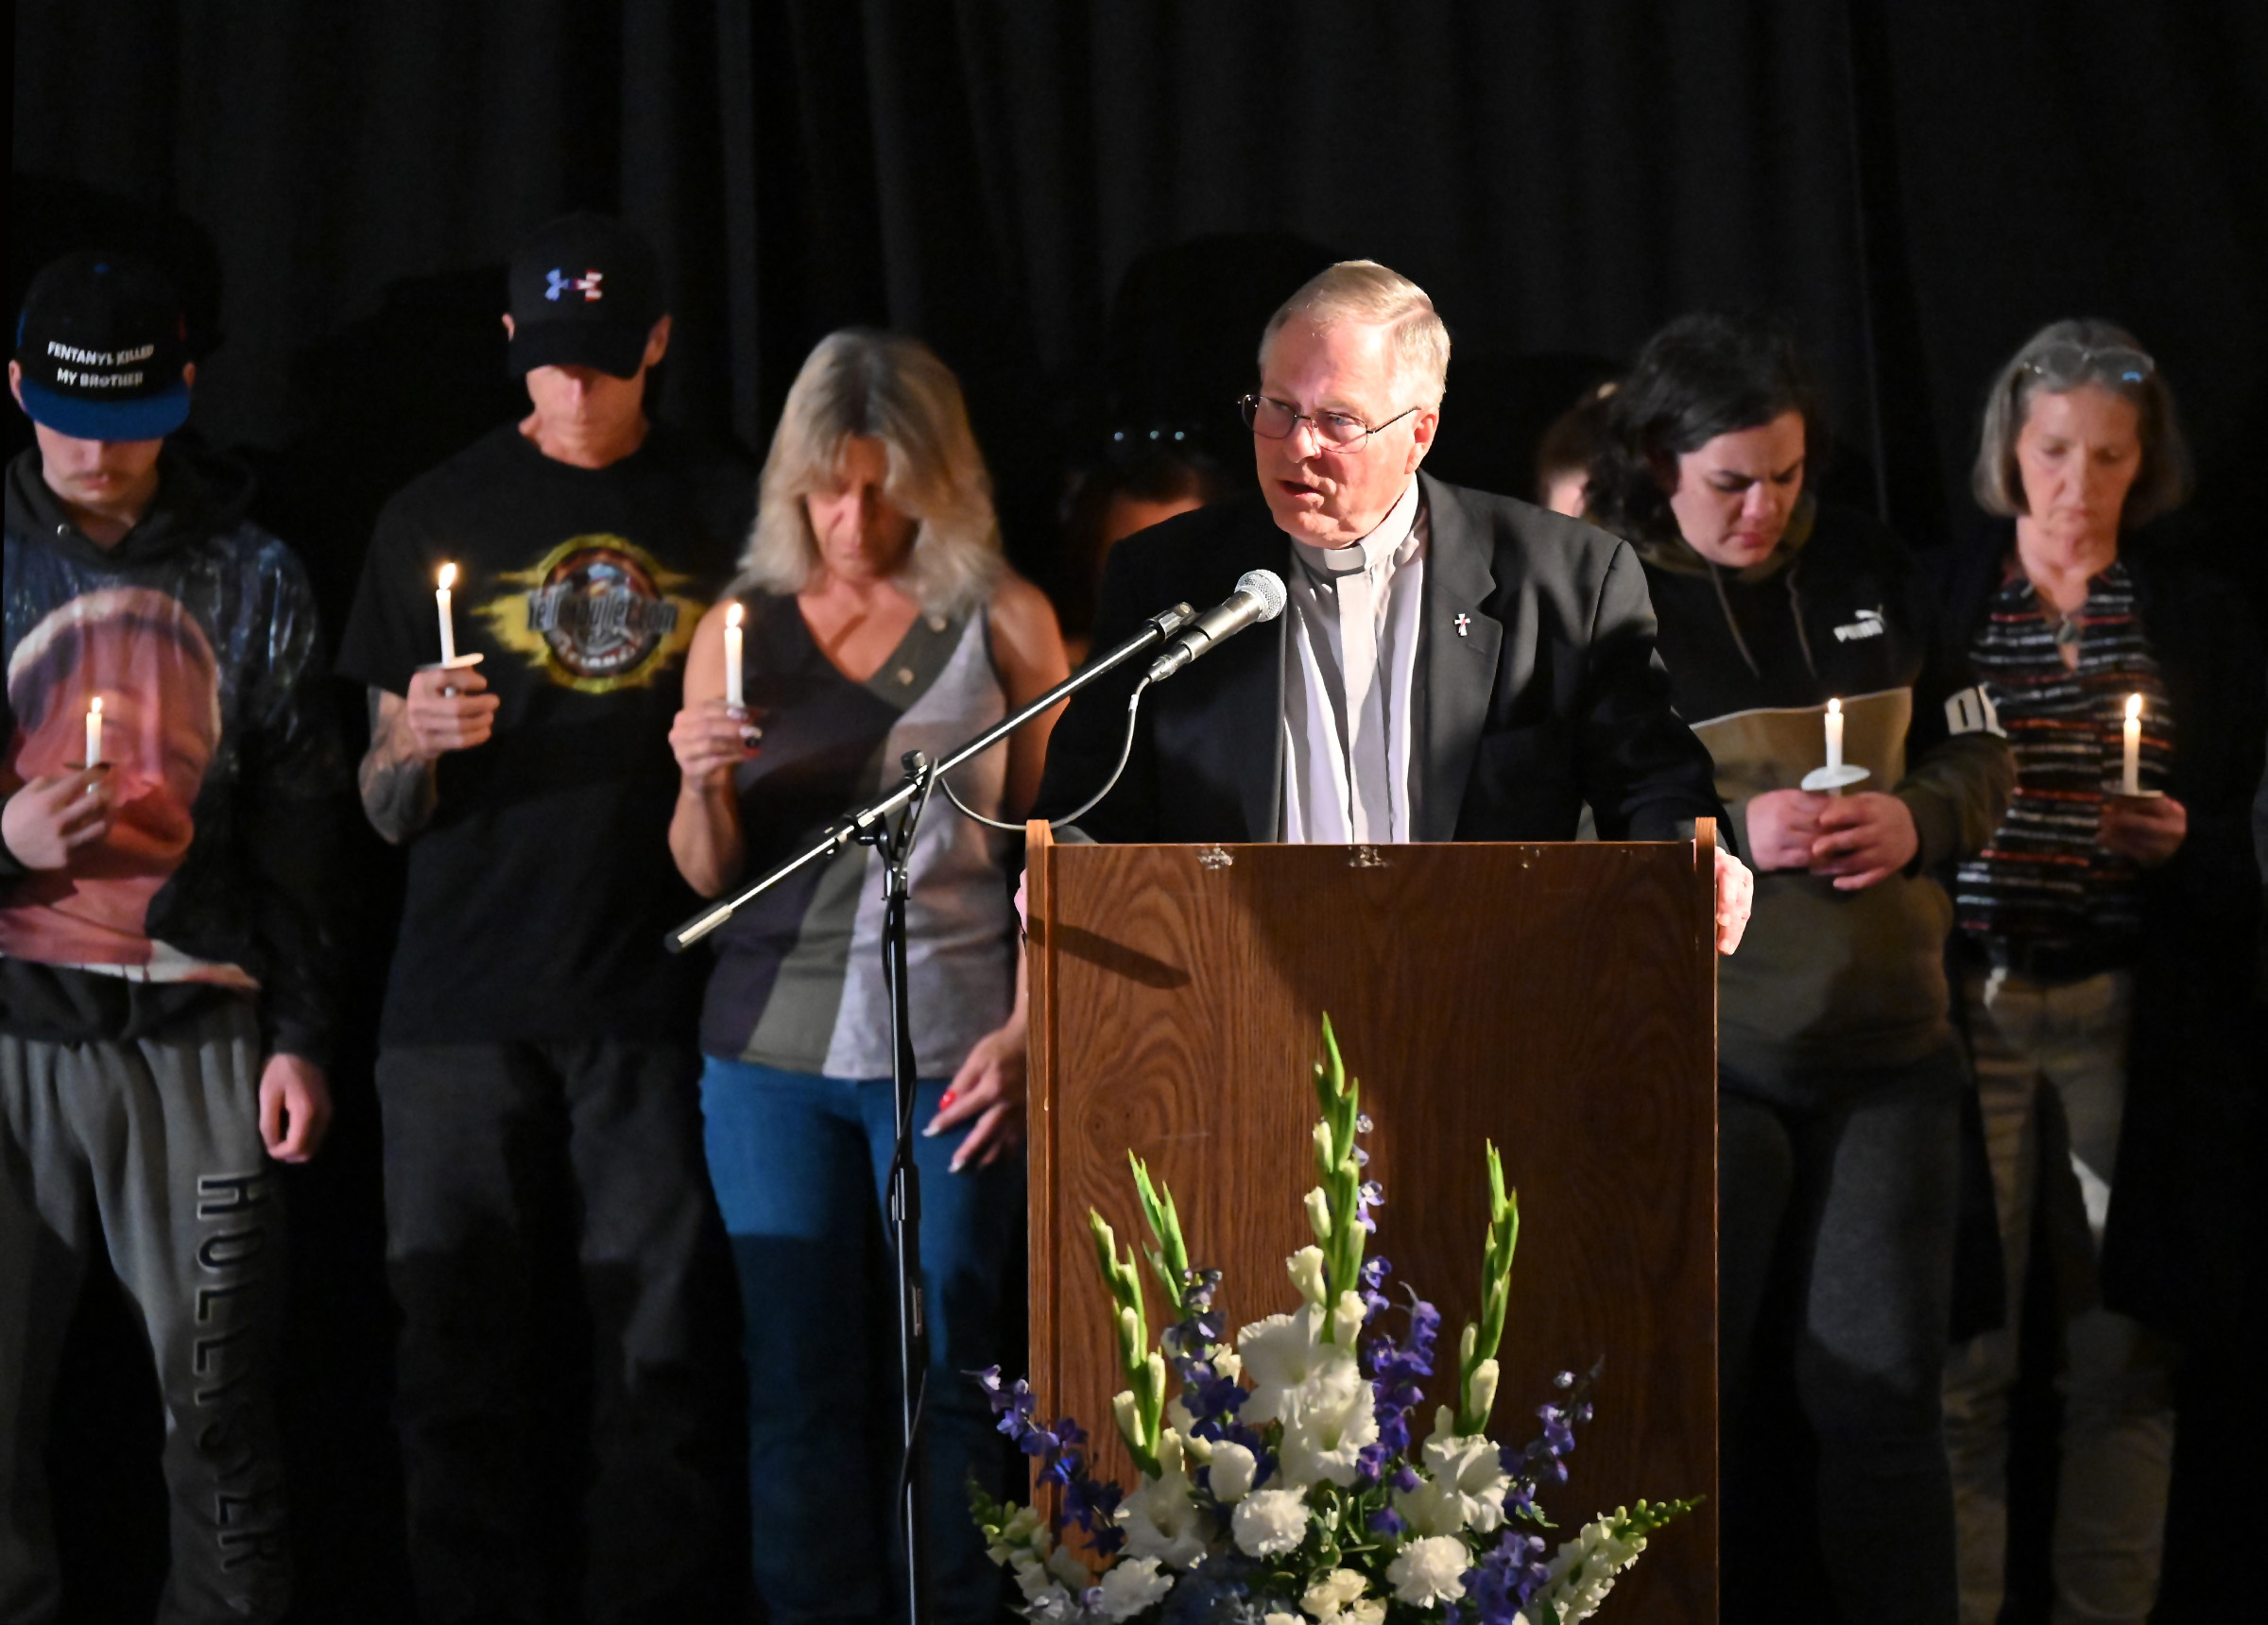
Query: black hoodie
[198, 630]
[1826, 978]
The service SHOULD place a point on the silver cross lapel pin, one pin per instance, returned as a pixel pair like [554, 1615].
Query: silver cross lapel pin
[1463, 625]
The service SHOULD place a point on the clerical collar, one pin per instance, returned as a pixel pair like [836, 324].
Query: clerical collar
[1383, 543]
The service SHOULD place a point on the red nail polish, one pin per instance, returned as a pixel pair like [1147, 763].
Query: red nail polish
[946, 1101]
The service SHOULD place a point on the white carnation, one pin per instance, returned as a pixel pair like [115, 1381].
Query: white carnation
[1267, 1522]
[1132, 1585]
[1327, 1598]
[1233, 1467]
[1431, 1570]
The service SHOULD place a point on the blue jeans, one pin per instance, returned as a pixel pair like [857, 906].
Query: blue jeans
[799, 1163]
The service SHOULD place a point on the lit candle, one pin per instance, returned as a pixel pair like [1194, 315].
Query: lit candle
[94, 731]
[440, 598]
[732, 618]
[2133, 756]
[1834, 735]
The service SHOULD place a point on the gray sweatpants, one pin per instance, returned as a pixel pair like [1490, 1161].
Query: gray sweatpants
[152, 1151]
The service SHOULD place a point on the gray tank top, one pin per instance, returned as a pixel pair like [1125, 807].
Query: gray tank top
[798, 983]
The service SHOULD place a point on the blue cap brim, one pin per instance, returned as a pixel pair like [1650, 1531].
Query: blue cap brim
[143, 417]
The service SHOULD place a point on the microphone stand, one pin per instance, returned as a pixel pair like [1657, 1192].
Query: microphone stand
[870, 826]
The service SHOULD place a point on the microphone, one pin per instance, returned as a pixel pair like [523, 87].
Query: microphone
[1259, 596]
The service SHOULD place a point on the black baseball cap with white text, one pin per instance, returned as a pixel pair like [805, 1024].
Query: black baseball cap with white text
[586, 291]
[103, 343]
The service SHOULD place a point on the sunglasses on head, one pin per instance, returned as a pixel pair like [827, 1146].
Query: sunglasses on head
[2075, 363]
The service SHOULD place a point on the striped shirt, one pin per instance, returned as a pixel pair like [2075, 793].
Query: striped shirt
[2043, 886]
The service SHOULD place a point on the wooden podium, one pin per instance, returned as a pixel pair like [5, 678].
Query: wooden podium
[1557, 999]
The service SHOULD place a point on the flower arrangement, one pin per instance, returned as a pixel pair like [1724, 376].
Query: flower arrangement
[1281, 1481]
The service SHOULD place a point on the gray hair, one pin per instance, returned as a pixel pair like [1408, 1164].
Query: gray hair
[1365, 291]
[2162, 481]
[894, 389]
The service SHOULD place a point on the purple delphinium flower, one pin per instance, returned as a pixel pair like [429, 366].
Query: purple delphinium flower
[1060, 1450]
[1387, 1521]
[1370, 1285]
[1501, 1583]
[1539, 1460]
[1370, 1194]
[1395, 1370]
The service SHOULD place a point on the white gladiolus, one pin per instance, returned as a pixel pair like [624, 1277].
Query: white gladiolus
[1306, 1267]
[1228, 1363]
[1160, 1518]
[1318, 1213]
[1233, 1467]
[1275, 1617]
[1267, 1522]
[1126, 1412]
[1347, 1320]
[1279, 1352]
[1483, 1389]
[1463, 1485]
[1132, 1585]
[1065, 1565]
[1033, 1579]
[1430, 1571]
[1328, 1420]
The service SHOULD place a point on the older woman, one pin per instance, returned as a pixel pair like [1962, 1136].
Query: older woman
[1839, 1077]
[879, 619]
[2108, 945]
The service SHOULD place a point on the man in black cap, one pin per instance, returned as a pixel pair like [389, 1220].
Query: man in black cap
[521, 626]
[164, 1019]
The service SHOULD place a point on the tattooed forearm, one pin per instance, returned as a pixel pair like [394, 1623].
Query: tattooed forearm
[397, 785]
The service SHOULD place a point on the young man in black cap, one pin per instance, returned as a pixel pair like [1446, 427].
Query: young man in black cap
[537, 1072]
[163, 1021]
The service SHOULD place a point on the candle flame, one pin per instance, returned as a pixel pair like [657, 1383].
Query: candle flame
[2134, 708]
[448, 576]
[733, 616]
[1834, 708]
[95, 709]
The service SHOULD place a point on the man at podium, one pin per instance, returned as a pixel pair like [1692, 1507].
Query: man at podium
[1451, 666]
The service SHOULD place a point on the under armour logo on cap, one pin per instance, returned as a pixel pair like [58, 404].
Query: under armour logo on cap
[586, 284]
[585, 292]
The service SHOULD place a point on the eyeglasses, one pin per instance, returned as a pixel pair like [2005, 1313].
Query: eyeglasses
[1276, 420]
[2073, 363]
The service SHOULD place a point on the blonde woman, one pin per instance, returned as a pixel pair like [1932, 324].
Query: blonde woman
[878, 617]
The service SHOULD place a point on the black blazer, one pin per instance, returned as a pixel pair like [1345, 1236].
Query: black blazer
[1550, 695]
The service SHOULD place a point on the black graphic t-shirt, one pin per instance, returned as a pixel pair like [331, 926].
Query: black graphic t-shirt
[539, 895]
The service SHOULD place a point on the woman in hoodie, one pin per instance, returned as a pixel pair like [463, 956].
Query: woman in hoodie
[1789, 627]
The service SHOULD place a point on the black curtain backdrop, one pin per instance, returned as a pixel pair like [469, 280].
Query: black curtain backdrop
[1088, 210]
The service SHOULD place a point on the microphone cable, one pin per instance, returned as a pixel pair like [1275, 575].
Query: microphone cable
[1126, 753]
